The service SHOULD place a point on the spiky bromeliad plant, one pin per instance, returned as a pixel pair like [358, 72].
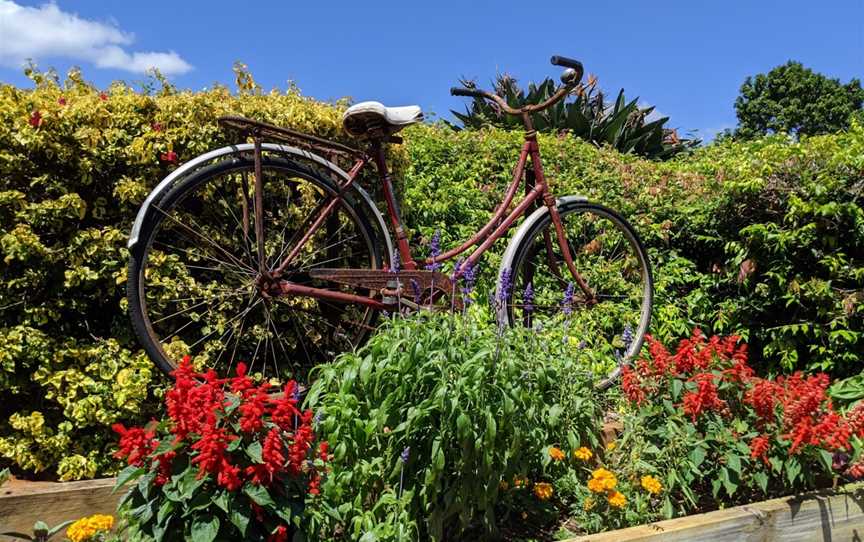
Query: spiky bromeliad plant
[623, 125]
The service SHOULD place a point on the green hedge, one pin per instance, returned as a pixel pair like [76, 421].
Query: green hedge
[764, 238]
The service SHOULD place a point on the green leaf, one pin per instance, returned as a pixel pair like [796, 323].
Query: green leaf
[762, 480]
[734, 463]
[205, 528]
[239, 517]
[254, 452]
[258, 494]
[697, 456]
[126, 475]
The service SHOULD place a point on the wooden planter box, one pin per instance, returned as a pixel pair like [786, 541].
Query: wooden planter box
[22, 503]
[819, 516]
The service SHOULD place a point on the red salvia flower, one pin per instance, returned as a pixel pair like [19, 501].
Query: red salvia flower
[252, 409]
[705, 397]
[759, 447]
[285, 407]
[631, 385]
[103, 96]
[61, 100]
[35, 119]
[229, 476]
[762, 397]
[135, 444]
[156, 126]
[279, 535]
[211, 450]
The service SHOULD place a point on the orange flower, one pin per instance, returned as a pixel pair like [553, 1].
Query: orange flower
[556, 454]
[616, 499]
[651, 485]
[543, 490]
[602, 480]
[583, 453]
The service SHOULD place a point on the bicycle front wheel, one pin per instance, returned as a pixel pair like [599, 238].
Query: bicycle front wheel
[193, 285]
[606, 321]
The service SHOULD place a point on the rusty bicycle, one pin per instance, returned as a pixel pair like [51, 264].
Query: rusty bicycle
[268, 251]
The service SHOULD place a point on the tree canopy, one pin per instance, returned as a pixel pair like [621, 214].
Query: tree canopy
[796, 100]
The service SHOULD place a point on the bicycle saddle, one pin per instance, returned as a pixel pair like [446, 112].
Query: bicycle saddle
[362, 118]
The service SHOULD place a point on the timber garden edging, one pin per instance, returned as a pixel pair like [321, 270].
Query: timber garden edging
[817, 516]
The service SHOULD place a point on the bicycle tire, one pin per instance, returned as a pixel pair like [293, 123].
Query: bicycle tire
[141, 324]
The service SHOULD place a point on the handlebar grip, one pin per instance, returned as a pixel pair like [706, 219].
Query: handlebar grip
[462, 91]
[567, 63]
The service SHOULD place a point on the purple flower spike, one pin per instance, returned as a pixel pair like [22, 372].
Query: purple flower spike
[405, 454]
[435, 251]
[469, 277]
[456, 270]
[568, 299]
[395, 262]
[504, 286]
[528, 299]
[627, 337]
[415, 287]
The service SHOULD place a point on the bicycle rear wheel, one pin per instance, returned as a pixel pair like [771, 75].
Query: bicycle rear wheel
[192, 277]
[607, 327]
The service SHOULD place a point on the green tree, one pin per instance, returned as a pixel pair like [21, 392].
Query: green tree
[796, 100]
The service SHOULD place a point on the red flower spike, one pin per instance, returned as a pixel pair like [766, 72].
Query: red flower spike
[759, 447]
[279, 535]
[705, 397]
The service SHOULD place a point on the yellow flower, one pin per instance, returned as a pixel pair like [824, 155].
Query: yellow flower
[583, 453]
[616, 499]
[86, 528]
[556, 454]
[588, 504]
[543, 490]
[652, 485]
[602, 480]
[610, 446]
[503, 485]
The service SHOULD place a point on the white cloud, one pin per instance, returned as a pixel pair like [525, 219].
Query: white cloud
[47, 31]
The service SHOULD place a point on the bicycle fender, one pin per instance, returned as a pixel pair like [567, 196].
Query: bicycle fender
[202, 160]
[516, 240]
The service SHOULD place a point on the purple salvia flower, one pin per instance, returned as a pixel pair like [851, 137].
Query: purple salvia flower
[469, 276]
[435, 251]
[568, 299]
[504, 286]
[528, 299]
[405, 454]
[415, 287]
[319, 417]
[395, 262]
[627, 337]
[456, 270]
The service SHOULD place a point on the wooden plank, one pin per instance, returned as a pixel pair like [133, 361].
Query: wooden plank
[23, 503]
[821, 516]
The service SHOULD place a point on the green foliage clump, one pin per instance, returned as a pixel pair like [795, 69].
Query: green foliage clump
[762, 239]
[429, 426]
[792, 99]
[623, 125]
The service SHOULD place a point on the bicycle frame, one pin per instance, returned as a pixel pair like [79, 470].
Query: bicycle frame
[501, 220]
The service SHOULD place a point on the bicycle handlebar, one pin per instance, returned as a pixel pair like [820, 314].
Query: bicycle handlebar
[570, 81]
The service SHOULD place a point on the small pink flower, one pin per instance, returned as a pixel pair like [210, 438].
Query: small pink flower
[170, 157]
[61, 100]
[156, 126]
[35, 119]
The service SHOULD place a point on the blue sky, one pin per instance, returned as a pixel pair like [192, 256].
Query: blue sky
[688, 58]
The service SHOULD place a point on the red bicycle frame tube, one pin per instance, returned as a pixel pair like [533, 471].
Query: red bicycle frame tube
[497, 225]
